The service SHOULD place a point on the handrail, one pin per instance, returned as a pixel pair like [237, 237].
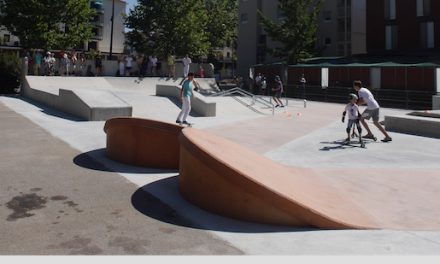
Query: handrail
[247, 94]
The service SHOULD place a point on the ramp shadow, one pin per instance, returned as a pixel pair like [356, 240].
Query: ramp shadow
[98, 160]
[191, 216]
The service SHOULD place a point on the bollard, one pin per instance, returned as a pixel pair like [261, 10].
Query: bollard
[305, 103]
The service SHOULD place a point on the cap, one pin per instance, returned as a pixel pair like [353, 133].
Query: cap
[277, 77]
[352, 96]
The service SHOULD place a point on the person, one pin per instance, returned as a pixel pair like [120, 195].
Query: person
[98, 64]
[37, 63]
[303, 84]
[263, 85]
[121, 66]
[201, 71]
[258, 83]
[65, 65]
[152, 64]
[278, 90]
[185, 97]
[74, 61]
[372, 111]
[171, 66]
[128, 65]
[353, 118]
[51, 64]
[186, 63]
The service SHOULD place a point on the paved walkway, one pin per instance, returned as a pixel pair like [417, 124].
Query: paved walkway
[307, 138]
[49, 205]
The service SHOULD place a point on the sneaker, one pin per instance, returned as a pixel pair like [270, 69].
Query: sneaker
[387, 139]
[282, 106]
[185, 123]
[277, 106]
[370, 136]
[178, 122]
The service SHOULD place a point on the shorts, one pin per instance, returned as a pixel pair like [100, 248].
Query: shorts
[128, 68]
[352, 122]
[277, 95]
[371, 113]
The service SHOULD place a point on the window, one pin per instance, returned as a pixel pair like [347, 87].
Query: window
[6, 38]
[390, 9]
[423, 8]
[427, 35]
[327, 15]
[390, 37]
[228, 55]
[244, 18]
[327, 41]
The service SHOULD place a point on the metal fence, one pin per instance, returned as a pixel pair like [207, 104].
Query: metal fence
[404, 99]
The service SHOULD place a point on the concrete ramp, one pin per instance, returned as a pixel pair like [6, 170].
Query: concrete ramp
[92, 104]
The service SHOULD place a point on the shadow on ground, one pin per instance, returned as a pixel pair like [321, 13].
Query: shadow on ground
[342, 144]
[146, 203]
[95, 159]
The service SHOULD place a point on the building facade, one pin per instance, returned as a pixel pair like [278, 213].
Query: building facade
[403, 27]
[341, 30]
[101, 28]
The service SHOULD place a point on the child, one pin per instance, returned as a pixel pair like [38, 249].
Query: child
[353, 118]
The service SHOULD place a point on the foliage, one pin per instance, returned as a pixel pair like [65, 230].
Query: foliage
[222, 22]
[48, 24]
[296, 31]
[181, 27]
[10, 71]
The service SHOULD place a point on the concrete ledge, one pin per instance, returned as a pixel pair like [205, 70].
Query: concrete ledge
[199, 103]
[225, 178]
[414, 125]
[89, 105]
[142, 142]
[436, 102]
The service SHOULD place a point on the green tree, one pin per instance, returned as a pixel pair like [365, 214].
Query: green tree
[222, 22]
[165, 27]
[48, 24]
[296, 32]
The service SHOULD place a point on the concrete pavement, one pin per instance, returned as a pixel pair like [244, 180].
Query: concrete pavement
[305, 146]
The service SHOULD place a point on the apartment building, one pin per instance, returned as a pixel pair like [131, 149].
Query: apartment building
[341, 30]
[101, 28]
[403, 27]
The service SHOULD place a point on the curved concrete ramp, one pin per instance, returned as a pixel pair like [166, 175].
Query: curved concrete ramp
[226, 178]
[142, 142]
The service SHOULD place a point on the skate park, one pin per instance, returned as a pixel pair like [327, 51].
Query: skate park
[390, 186]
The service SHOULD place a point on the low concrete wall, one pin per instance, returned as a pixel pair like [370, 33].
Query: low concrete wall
[83, 104]
[199, 103]
[414, 125]
[436, 102]
[142, 142]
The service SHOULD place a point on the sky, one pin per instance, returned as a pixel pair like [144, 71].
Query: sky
[130, 4]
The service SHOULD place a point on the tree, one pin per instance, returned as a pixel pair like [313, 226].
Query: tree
[222, 22]
[296, 32]
[165, 27]
[47, 24]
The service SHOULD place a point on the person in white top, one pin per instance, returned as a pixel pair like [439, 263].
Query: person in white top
[372, 111]
[353, 118]
[186, 62]
[128, 65]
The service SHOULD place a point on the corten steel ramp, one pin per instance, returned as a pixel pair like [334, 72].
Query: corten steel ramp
[226, 178]
[142, 142]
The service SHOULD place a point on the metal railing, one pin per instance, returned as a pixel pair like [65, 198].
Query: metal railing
[254, 98]
[403, 99]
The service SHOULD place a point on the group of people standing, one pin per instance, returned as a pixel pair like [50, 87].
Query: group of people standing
[64, 64]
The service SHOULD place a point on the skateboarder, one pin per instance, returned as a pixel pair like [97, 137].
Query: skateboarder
[372, 111]
[353, 118]
[185, 97]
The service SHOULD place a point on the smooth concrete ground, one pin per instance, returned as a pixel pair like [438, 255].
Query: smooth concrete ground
[286, 139]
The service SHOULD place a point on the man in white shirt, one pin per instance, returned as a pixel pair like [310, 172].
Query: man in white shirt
[186, 62]
[128, 65]
[372, 111]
